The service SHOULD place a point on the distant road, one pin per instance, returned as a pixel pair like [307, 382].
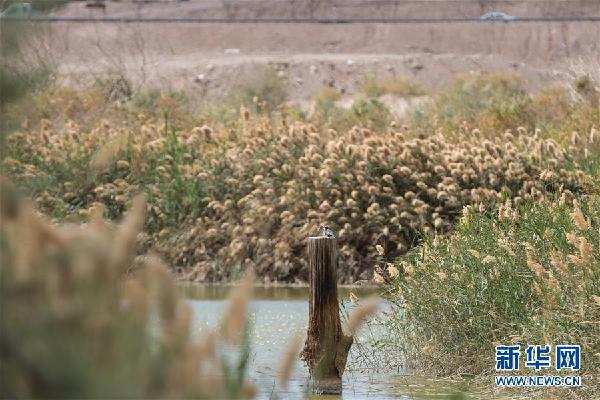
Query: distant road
[302, 20]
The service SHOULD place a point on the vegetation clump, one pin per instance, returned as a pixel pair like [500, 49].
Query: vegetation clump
[521, 275]
[372, 87]
[245, 193]
[225, 204]
[493, 103]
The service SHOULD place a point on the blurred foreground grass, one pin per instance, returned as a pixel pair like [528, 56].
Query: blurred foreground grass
[83, 317]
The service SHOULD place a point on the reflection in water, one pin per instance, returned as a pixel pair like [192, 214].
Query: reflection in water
[276, 314]
[219, 292]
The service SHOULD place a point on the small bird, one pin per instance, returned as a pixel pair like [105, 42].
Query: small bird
[327, 232]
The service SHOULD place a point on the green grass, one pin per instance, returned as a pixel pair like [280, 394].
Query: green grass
[263, 92]
[524, 276]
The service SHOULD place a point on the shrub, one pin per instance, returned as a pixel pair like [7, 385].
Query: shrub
[325, 108]
[372, 87]
[22, 69]
[369, 113]
[265, 92]
[587, 88]
[218, 205]
[364, 112]
[494, 103]
[490, 102]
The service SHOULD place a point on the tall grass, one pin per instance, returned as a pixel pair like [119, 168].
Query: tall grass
[243, 189]
[222, 202]
[522, 275]
[22, 68]
[25, 65]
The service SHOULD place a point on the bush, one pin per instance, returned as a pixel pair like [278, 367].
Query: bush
[490, 102]
[364, 112]
[20, 71]
[225, 201]
[494, 103]
[370, 113]
[526, 275]
[325, 107]
[372, 87]
[265, 92]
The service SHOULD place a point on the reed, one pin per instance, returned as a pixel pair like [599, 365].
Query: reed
[229, 196]
[526, 275]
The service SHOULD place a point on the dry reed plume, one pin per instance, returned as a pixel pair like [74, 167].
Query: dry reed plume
[360, 314]
[243, 195]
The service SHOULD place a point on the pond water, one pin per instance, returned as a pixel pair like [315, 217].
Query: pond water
[276, 314]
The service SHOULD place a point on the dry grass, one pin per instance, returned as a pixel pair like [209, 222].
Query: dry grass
[493, 103]
[360, 314]
[227, 196]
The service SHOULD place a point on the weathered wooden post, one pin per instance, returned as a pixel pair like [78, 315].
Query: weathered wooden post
[326, 348]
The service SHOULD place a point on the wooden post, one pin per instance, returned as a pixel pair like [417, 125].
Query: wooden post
[326, 348]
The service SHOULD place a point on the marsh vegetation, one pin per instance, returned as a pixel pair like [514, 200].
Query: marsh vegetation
[477, 215]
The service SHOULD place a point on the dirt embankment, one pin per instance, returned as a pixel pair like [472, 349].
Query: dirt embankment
[207, 59]
[337, 8]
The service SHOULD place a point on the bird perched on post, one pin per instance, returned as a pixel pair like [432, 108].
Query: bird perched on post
[327, 232]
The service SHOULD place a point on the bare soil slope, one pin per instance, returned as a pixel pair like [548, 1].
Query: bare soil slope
[207, 59]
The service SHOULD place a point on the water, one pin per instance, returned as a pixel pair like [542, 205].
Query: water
[276, 314]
